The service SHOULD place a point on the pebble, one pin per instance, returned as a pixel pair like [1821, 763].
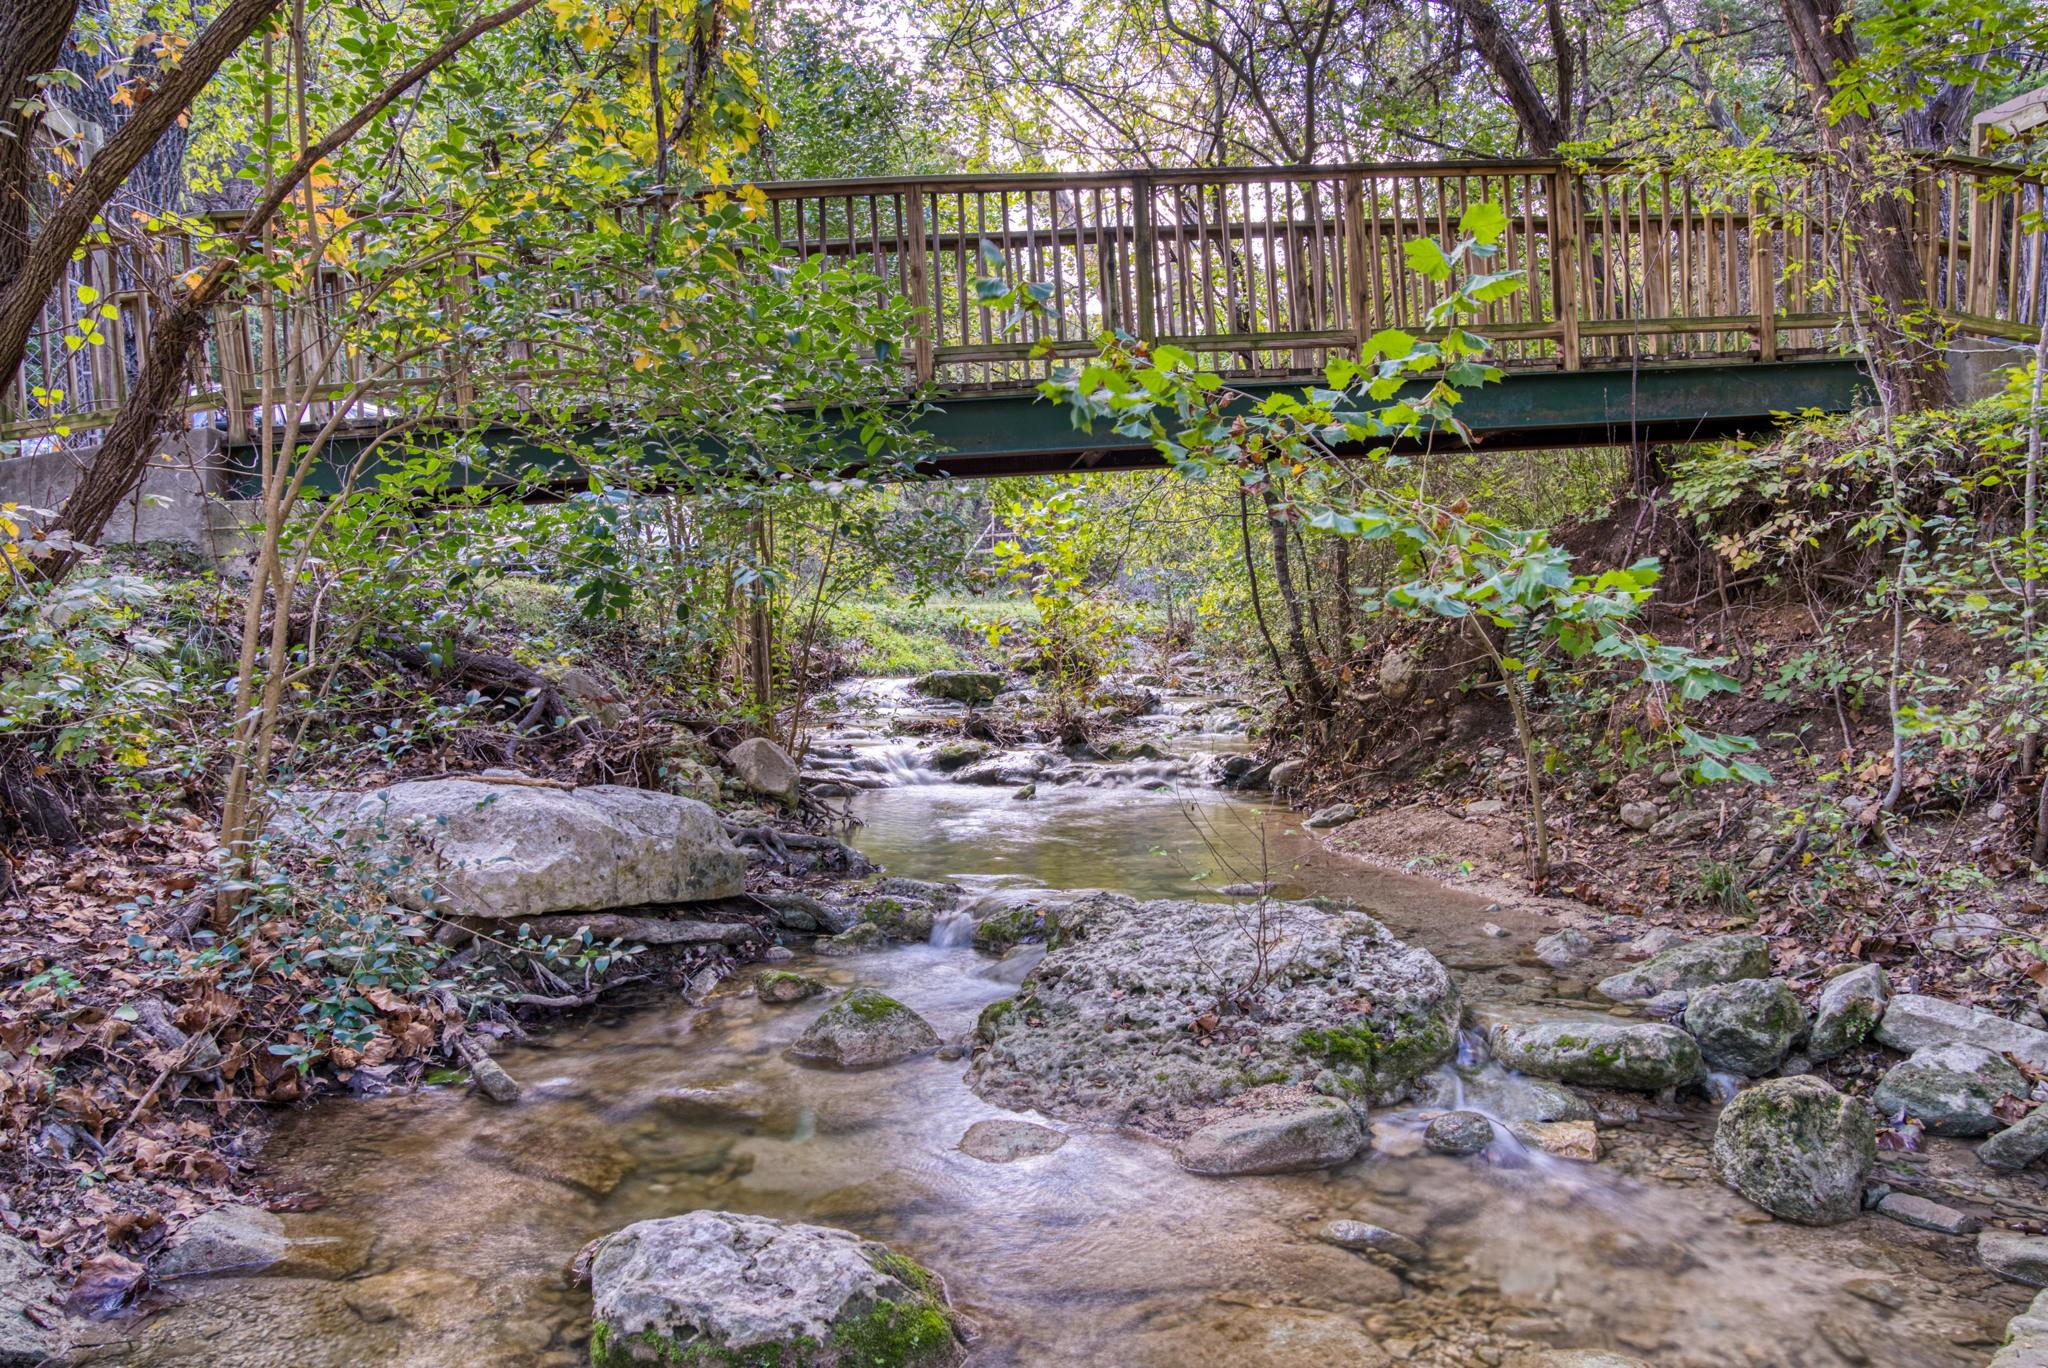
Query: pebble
[1876, 1291]
[1496, 931]
[1361, 1236]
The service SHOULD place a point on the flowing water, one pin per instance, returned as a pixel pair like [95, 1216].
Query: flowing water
[443, 1225]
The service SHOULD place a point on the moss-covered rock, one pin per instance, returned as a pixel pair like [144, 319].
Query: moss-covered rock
[853, 940]
[1849, 1009]
[900, 919]
[1695, 964]
[972, 687]
[1746, 1027]
[715, 1289]
[1797, 1148]
[1596, 1053]
[952, 755]
[863, 1030]
[780, 987]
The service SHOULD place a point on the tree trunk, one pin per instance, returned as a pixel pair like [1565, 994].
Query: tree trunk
[41, 266]
[1315, 695]
[1543, 128]
[32, 34]
[1905, 358]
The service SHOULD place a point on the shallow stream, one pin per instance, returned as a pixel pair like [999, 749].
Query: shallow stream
[443, 1224]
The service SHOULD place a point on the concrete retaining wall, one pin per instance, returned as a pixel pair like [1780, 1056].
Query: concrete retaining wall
[178, 502]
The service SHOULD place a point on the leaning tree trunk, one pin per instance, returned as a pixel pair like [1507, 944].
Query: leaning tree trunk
[1905, 359]
[32, 36]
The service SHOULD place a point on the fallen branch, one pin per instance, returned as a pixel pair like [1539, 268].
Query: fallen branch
[568, 1000]
[645, 930]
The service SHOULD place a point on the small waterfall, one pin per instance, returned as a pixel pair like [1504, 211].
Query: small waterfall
[900, 765]
[954, 928]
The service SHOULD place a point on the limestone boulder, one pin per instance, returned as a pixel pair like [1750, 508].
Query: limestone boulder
[1913, 1021]
[1109, 1025]
[1797, 1148]
[30, 1328]
[2019, 1144]
[764, 768]
[1849, 1009]
[1692, 964]
[717, 1287]
[1950, 1089]
[1746, 1027]
[514, 850]
[863, 1030]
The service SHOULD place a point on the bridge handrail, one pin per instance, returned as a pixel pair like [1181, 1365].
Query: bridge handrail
[1265, 271]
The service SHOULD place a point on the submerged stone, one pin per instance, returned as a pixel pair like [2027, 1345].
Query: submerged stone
[1280, 1134]
[228, 1239]
[1361, 1237]
[1004, 1141]
[863, 1030]
[714, 1288]
[1797, 1148]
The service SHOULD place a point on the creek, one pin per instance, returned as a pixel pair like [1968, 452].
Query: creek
[443, 1225]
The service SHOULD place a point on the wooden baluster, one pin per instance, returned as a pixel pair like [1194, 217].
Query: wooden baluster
[1763, 290]
[1142, 256]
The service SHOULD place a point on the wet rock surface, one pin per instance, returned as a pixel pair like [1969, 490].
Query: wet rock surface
[229, 1239]
[1273, 1131]
[1746, 1027]
[1119, 1020]
[1599, 1053]
[1004, 1141]
[1457, 1133]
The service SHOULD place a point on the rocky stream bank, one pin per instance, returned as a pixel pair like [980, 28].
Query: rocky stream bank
[1105, 1063]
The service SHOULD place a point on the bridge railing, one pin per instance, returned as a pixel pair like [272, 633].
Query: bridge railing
[1263, 272]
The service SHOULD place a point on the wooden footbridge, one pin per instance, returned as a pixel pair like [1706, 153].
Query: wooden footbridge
[1661, 304]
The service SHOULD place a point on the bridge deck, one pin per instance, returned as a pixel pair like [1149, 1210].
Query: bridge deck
[1662, 284]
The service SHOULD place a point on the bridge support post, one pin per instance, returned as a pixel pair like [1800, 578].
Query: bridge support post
[1142, 256]
[1564, 261]
[923, 319]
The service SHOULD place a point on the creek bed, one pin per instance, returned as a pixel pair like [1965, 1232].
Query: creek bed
[444, 1224]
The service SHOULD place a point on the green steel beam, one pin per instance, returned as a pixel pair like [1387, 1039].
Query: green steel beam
[985, 436]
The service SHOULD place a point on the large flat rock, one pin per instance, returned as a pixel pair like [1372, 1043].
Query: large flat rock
[481, 849]
[1914, 1021]
[1152, 1013]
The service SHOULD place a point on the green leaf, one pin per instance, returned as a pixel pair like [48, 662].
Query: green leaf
[1485, 221]
[1426, 258]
